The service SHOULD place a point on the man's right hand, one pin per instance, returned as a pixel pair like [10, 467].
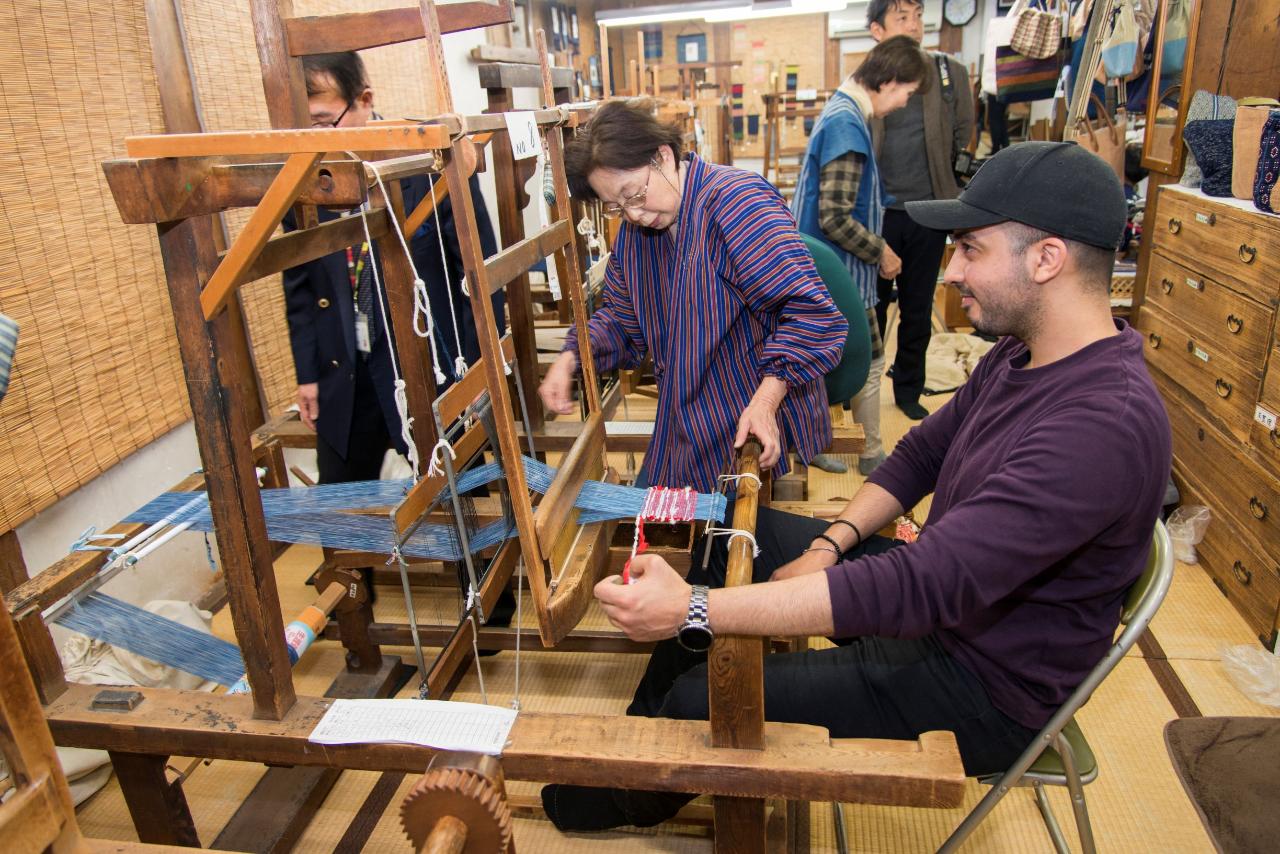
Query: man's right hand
[890, 263]
[309, 403]
[557, 385]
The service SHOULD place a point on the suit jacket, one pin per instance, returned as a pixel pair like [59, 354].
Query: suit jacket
[321, 315]
[948, 124]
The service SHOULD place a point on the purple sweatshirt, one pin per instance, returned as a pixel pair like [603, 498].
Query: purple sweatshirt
[1047, 483]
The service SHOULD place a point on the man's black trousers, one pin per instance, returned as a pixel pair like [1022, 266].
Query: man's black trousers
[921, 251]
[864, 688]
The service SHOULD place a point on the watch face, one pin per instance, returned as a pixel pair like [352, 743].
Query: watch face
[960, 12]
[695, 638]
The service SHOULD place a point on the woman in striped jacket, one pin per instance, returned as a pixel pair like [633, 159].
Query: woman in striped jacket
[709, 276]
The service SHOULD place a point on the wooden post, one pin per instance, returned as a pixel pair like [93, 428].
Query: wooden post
[33, 635]
[511, 202]
[218, 411]
[180, 105]
[606, 85]
[735, 681]
[640, 76]
[158, 808]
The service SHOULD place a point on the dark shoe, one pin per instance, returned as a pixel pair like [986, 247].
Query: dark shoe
[914, 410]
[576, 808]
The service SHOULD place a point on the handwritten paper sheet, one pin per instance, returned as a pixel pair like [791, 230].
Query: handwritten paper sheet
[444, 725]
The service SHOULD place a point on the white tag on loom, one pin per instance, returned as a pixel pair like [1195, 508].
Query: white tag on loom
[522, 128]
[441, 724]
[363, 344]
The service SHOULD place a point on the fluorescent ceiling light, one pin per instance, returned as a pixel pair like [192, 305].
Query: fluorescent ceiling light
[661, 14]
[775, 10]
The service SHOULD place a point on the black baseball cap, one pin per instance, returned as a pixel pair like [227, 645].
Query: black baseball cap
[1057, 187]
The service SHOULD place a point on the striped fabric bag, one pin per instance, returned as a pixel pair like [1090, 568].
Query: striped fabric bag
[1021, 78]
[8, 343]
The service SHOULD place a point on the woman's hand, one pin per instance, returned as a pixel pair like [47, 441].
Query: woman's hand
[760, 419]
[557, 385]
[890, 263]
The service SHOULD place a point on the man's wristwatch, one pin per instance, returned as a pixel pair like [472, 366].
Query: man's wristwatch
[695, 633]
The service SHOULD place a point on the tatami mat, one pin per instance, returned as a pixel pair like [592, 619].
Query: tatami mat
[1136, 803]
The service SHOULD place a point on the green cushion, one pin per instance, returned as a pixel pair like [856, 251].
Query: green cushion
[847, 378]
[1051, 763]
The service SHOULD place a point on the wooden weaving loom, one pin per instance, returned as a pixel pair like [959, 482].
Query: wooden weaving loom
[736, 757]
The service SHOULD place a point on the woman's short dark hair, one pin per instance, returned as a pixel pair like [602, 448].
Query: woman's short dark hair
[345, 69]
[897, 59]
[620, 135]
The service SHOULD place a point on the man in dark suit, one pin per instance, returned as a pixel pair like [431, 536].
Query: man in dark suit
[341, 352]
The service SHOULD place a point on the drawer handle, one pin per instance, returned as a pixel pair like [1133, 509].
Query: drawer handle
[1155, 342]
[1247, 253]
[1275, 436]
[1223, 388]
[1166, 286]
[1175, 224]
[1257, 508]
[1242, 574]
[1191, 345]
[1234, 324]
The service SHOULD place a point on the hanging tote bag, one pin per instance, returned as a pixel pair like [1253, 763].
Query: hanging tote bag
[1016, 77]
[1037, 32]
[1120, 49]
[1177, 22]
[1103, 135]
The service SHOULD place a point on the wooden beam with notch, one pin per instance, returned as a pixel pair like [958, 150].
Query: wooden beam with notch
[264, 220]
[518, 258]
[363, 30]
[396, 138]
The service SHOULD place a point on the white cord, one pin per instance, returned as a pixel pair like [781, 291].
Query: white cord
[420, 301]
[733, 533]
[460, 363]
[475, 650]
[436, 467]
[737, 477]
[401, 398]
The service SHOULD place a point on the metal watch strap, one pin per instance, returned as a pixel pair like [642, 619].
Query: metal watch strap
[698, 607]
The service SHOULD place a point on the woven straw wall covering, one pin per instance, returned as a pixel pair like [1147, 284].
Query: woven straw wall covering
[96, 374]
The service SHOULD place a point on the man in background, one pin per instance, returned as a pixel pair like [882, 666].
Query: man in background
[916, 149]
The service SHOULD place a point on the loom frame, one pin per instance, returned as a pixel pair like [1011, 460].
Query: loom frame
[735, 756]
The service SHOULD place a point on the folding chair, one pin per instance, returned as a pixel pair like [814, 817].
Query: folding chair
[1060, 755]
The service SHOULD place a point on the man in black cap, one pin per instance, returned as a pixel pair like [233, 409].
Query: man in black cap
[1047, 471]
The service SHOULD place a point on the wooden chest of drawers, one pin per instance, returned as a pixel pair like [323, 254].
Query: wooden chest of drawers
[1209, 317]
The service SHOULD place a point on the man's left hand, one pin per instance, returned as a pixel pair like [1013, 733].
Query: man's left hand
[653, 606]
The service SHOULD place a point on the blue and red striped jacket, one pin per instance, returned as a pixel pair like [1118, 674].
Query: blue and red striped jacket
[734, 298]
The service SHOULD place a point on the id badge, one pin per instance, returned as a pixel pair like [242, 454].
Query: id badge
[362, 333]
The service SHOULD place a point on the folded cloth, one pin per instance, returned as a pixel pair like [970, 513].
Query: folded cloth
[1250, 117]
[1264, 181]
[1205, 105]
[1210, 142]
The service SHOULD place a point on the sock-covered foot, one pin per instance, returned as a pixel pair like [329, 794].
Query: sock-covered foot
[577, 808]
[869, 464]
[914, 410]
[829, 463]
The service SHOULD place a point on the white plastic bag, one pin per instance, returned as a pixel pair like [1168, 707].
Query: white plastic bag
[1254, 671]
[1186, 528]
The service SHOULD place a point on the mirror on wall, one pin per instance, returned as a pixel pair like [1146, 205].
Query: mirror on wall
[1171, 58]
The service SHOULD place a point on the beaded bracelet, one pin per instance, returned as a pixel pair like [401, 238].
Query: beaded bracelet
[834, 544]
[851, 525]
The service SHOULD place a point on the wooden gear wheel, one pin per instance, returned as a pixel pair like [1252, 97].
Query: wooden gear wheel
[460, 798]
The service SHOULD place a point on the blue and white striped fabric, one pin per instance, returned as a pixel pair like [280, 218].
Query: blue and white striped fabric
[733, 299]
[842, 128]
[8, 343]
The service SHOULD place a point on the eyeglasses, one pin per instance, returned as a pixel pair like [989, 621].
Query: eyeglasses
[613, 210]
[335, 122]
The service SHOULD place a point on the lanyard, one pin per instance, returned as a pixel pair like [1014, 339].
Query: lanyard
[356, 266]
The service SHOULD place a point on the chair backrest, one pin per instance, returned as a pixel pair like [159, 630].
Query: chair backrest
[847, 378]
[1140, 606]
